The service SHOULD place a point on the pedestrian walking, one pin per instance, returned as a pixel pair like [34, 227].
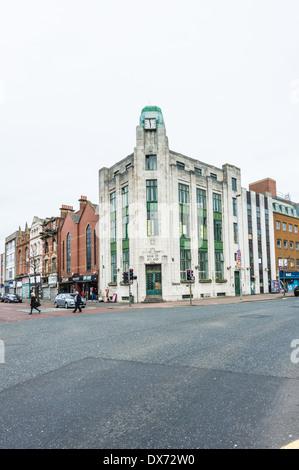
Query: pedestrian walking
[34, 304]
[78, 301]
[92, 293]
[107, 294]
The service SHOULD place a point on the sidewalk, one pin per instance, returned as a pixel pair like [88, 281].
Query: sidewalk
[19, 312]
[181, 303]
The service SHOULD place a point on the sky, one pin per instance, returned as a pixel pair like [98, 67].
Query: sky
[75, 75]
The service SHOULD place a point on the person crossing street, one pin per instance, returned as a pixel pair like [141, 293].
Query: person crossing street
[78, 301]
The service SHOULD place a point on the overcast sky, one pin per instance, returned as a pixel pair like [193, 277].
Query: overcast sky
[74, 76]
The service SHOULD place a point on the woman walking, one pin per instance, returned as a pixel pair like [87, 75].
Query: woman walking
[33, 303]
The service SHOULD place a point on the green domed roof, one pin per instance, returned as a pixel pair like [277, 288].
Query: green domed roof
[151, 108]
[151, 112]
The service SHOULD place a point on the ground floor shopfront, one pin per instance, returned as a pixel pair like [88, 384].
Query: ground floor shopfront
[25, 285]
[86, 284]
[290, 279]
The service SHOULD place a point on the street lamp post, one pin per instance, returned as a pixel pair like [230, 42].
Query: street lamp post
[239, 251]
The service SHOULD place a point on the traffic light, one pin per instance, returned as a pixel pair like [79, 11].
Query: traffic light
[190, 275]
[131, 276]
[126, 278]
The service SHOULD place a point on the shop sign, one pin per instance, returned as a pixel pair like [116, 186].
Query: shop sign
[86, 278]
[52, 279]
[152, 258]
[33, 278]
[25, 280]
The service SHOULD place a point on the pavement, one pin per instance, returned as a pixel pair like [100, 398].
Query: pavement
[19, 312]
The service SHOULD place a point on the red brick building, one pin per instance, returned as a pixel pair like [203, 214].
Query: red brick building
[266, 186]
[23, 262]
[79, 248]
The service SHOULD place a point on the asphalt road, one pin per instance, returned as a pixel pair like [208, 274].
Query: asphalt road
[208, 377]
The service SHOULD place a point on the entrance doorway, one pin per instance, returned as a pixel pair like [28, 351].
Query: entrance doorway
[153, 280]
[237, 283]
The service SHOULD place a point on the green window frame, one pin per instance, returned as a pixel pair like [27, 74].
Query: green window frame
[151, 162]
[152, 207]
[125, 212]
[217, 203]
[185, 263]
[219, 262]
[203, 265]
[184, 211]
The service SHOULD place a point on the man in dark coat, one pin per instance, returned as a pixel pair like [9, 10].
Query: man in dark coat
[33, 303]
[78, 301]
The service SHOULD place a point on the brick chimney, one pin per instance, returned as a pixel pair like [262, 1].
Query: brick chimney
[266, 186]
[83, 202]
[64, 210]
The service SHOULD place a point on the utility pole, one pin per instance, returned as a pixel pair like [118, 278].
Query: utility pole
[239, 256]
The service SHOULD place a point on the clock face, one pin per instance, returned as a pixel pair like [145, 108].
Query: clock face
[150, 123]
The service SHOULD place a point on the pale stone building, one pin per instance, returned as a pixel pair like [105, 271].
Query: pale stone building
[162, 213]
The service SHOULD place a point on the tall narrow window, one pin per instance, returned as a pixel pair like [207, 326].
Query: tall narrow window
[68, 253]
[184, 218]
[113, 268]
[235, 206]
[151, 162]
[27, 260]
[113, 236]
[185, 263]
[125, 228]
[113, 217]
[202, 233]
[125, 211]
[152, 207]
[217, 202]
[20, 262]
[184, 208]
[95, 243]
[218, 241]
[88, 248]
[202, 265]
[235, 233]
[219, 265]
[234, 184]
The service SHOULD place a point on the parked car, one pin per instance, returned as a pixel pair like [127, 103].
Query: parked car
[296, 291]
[67, 300]
[11, 298]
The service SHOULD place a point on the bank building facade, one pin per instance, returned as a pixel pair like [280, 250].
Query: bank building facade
[162, 213]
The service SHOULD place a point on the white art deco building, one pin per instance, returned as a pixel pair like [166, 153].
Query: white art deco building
[162, 213]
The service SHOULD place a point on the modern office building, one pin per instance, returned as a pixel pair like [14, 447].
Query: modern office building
[259, 255]
[286, 232]
[162, 213]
